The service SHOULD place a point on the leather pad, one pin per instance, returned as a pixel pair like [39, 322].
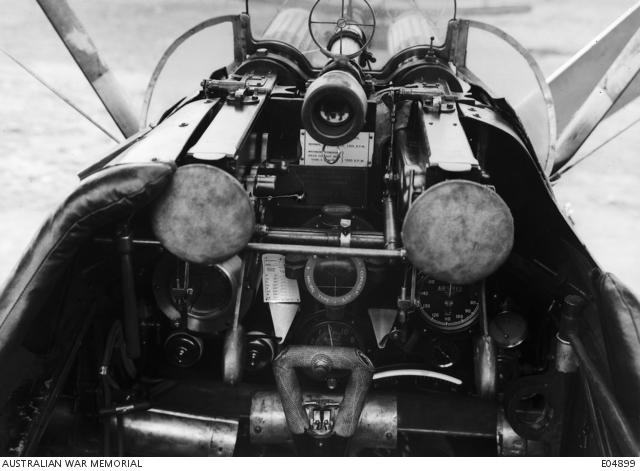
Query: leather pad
[111, 194]
[458, 231]
[204, 216]
[620, 320]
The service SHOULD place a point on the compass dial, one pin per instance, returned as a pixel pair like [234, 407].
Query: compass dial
[335, 281]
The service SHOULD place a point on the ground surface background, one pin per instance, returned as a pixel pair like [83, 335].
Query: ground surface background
[43, 144]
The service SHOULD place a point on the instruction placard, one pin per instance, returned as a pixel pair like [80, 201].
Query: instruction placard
[356, 153]
[276, 287]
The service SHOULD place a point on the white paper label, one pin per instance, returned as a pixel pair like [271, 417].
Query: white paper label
[276, 287]
[356, 153]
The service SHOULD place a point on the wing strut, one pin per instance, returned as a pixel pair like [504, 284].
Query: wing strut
[573, 82]
[84, 52]
[601, 99]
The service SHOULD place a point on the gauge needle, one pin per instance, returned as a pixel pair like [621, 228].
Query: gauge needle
[444, 354]
[330, 336]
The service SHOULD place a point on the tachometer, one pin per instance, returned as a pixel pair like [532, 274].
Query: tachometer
[333, 334]
[446, 306]
[324, 332]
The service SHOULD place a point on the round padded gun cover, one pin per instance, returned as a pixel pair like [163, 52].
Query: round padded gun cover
[109, 195]
[205, 215]
[458, 231]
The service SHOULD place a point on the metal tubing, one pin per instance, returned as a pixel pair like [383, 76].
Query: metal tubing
[606, 401]
[291, 235]
[399, 254]
[416, 373]
[447, 414]
[323, 250]
[84, 52]
[130, 306]
[390, 228]
[140, 242]
[593, 416]
[567, 336]
[162, 432]
[565, 357]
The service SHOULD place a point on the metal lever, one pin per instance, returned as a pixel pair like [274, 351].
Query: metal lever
[233, 350]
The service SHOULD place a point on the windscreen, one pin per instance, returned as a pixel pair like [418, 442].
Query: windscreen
[507, 70]
[399, 24]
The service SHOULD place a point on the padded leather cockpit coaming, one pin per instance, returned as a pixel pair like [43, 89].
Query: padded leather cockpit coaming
[620, 319]
[110, 195]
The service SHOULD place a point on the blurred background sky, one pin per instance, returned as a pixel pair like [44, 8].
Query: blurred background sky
[43, 143]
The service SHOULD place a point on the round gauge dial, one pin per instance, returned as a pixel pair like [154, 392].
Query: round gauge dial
[211, 291]
[335, 281]
[508, 329]
[446, 306]
[443, 353]
[332, 334]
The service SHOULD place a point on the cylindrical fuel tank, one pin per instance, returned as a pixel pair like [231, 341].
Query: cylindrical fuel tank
[158, 432]
[377, 428]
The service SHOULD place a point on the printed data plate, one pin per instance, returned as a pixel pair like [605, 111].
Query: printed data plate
[356, 153]
[277, 288]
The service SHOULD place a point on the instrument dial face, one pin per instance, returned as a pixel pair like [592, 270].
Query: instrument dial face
[443, 353]
[335, 281]
[508, 329]
[330, 333]
[333, 334]
[446, 306]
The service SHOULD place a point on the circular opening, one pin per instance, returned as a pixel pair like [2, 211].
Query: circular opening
[212, 290]
[335, 277]
[334, 112]
[534, 411]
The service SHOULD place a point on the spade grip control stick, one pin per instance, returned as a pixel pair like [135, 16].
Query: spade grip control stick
[321, 361]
